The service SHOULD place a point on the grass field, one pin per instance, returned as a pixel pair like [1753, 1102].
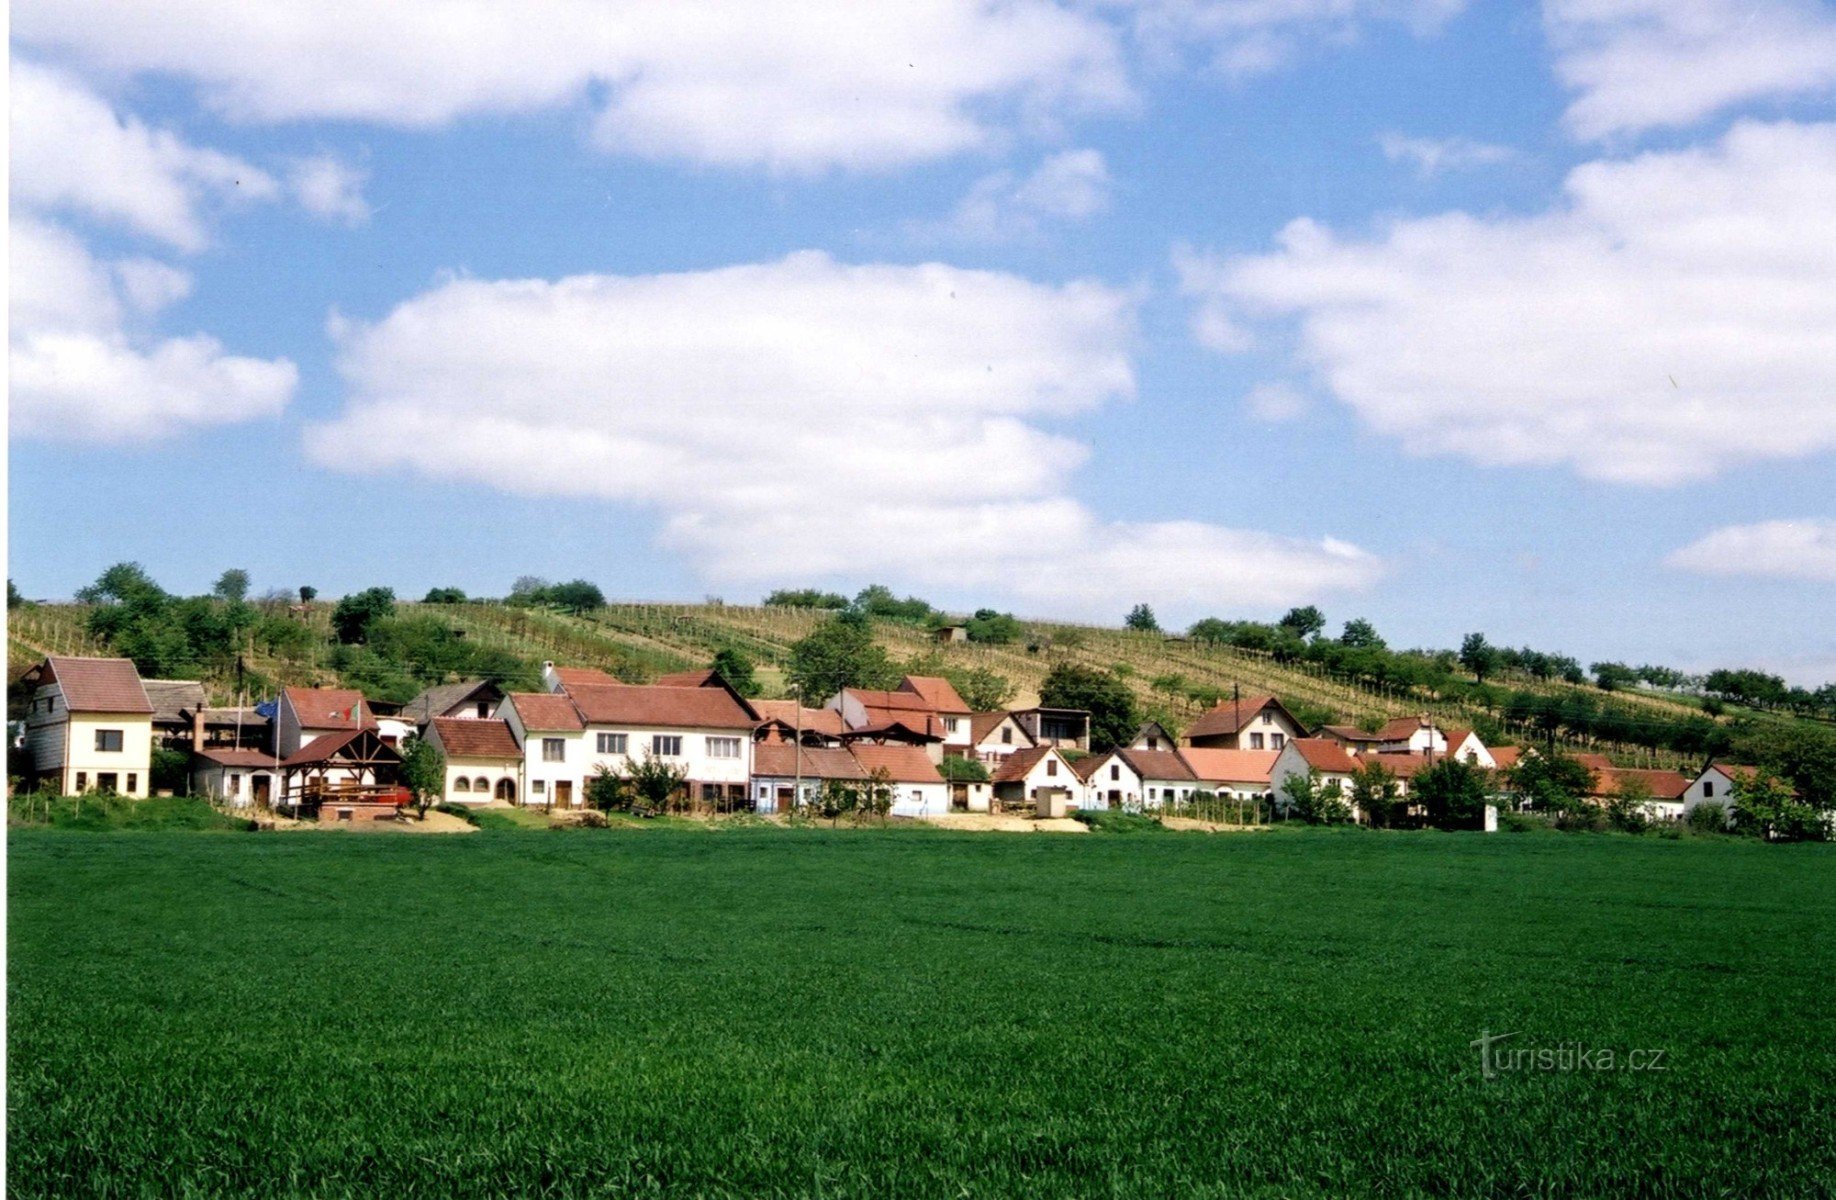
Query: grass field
[799, 1012]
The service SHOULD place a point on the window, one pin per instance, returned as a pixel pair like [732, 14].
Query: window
[82, 781]
[1115, 772]
[1051, 766]
[1708, 788]
[1277, 741]
[108, 740]
[462, 785]
[484, 709]
[133, 783]
[1007, 736]
[1255, 741]
[539, 787]
[554, 750]
[723, 747]
[481, 785]
[107, 781]
[235, 784]
[666, 745]
[952, 724]
[613, 743]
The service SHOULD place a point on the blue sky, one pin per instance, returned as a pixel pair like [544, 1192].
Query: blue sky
[1454, 315]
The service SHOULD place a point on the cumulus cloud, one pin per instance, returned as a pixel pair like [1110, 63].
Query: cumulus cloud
[82, 370]
[1645, 64]
[1243, 38]
[329, 188]
[1803, 549]
[72, 151]
[1069, 186]
[794, 86]
[1432, 156]
[1674, 318]
[802, 418]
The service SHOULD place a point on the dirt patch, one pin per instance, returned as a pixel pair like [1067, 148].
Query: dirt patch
[1190, 825]
[1000, 823]
[435, 822]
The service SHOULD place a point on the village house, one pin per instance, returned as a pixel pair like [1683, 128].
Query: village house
[783, 772]
[173, 700]
[354, 771]
[1321, 756]
[469, 699]
[789, 721]
[1665, 791]
[993, 736]
[1133, 780]
[484, 760]
[1153, 736]
[304, 714]
[1040, 777]
[1249, 723]
[918, 790]
[1715, 785]
[705, 731]
[560, 679]
[236, 775]
[1243, 774]
[1065, 728]
[1411, 735]
[89, 726]
[552, 734]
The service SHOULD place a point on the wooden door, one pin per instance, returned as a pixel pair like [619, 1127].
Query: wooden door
[564, 793]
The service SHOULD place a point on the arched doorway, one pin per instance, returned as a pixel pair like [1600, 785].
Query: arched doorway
[506, 790]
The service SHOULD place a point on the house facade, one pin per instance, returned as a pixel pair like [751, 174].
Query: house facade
[553, 735]
[994, 736]
[89, 726]
[1248, 723]
[704, 731]
[1302, 756]
[484, 760]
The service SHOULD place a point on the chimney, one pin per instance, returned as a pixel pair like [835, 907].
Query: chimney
[197, 728]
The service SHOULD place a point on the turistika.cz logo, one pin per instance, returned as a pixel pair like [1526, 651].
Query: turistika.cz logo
[1562, 1058]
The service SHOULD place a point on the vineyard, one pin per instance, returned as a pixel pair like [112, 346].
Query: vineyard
[1172, 677]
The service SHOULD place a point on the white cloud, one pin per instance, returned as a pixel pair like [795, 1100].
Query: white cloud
[792, 86]
[70, 150]
[1803, 549]
[802, 418]
[1244, 38]
[1644, 64]
[329, 188]
[1070, 186]
[82, 372]
[1431, 156]
[1676, 317]
[1276, 403]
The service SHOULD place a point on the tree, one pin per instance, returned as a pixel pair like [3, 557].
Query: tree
[1627, 805]
[1771, 808]
[528, 589]
[993, 628]
[355, 615]
[981, 689]
[1141, 620]
[1478, 656]
[806, 598]
[1303, 622]
[1375, 794]
[308, 594]
[1114, 717]
[736, 669]
[576, 596]
[876, 797]
[444, 595]
[1612, 676]
[839, 653]
[655, 784]
[1317, 803]
[423, 772]
[126, 584]
[1453, 794]
[957, 769]
[13, 598]
[877, 600]
[232, 585]
[608, 791]
[1360, 634]
[1551, 781]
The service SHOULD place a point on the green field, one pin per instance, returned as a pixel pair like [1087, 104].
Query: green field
[800, 1012]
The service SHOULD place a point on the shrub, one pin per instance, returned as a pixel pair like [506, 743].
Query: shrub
[1708, 817]
[1111, 820]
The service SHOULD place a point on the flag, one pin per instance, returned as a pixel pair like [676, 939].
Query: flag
[269, 709]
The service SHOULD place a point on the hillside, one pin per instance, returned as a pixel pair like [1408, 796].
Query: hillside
[1171, 676]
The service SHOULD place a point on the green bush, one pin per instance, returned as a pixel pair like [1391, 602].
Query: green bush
[462, 811]
[1708, 817]
[95, 813]
[1112, 820]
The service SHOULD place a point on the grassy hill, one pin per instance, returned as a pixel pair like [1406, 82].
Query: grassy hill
[1170, 676]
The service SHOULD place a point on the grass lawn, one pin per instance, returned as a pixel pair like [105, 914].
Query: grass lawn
[799, 1012]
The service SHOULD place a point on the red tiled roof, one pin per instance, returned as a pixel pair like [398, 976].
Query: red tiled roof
[330, 708]
[1324, 754]
[1594, 762]
[1015, 766]
[1349, 733]
[983, 725]
[896, 729]
[701, 678]
[1222, 718]
[104, 685]
[1400, 729]
[662, 707]
[779, 761]
[1741, 771]
[936, 691]
[1507, 756]
[1403, 766]
[1456, 736]
[573, 677]
[321, 748]
[824, 721]
[237, 758]
[1157, 764]
[905, 764]
[546, 712]
[1230, 766]
[466, 738]
[1664, 785]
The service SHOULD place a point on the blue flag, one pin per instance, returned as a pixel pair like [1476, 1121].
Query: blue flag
[268, 708]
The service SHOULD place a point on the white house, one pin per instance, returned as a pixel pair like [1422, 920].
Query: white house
[1244, 774]
[484, 761]
[1042, 777]
[89, 726]
[780, 769]
[1464, 744]
[993, 736]
[552, 734]
[918, 790]
[1133, 780]
[1716, 785]
[1303, 755]
[705, 731]
[1412, 735]
[236, 776]
[472, 699]
[308, 713]
[1248, 723]
[1153, 736]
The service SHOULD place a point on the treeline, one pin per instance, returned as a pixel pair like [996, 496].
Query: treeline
[986, 625]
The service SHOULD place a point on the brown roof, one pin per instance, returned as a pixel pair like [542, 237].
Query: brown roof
[896, 701]
[1324, 754]
[1231, 766]
[1087, 765]
[705, 677]
[1403, 766]
[573, 677]
[1349, 733]
[1664, 785]
[1157, 764]
[790, 714]
[1222, 718]
[1741, 771]
[1015, 766]
[779, 761]
[983, 725]
[105, 685]
[546, 712]
[438, 701]
[469, 738]
[329, 708]
[237, 758]
[248, 718]
[937, 691]
[171, 698]
[1401, 729]
[1594, 762]
[905, 764]
[668, 707]
[321, 748]
[1506, 756]
[1456, 736]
